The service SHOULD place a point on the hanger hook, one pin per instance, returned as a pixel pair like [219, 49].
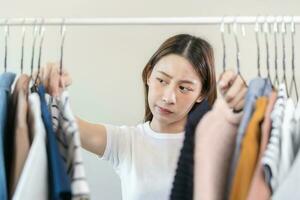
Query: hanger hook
[222, 29]
[22, 47]
[293, 82]
[6, 32]
[266, 33]
[257, 31]
[63, 34]
[41, 33]
[275, 31]
[35, 33]
[237, 46]
[283, 34]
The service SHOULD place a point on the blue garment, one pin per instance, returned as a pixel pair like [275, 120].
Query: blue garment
[60, 183]
[6, 80]
[258, 87]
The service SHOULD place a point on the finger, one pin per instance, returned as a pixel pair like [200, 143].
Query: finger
[54, 81]
[241, 95]
[240, 105]
[67, 81]
[46, 75]
[235, 88]
[226, 79]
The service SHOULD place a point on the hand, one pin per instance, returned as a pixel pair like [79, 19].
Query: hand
[234, 89]
[51, 79]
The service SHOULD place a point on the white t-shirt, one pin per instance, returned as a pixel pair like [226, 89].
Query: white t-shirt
[145, 160]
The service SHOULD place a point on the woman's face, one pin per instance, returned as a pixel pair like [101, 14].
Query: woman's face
[174, 87]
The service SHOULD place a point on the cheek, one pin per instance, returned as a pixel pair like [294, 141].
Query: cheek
[186, 103]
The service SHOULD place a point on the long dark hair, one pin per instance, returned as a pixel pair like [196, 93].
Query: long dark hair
[198, 52]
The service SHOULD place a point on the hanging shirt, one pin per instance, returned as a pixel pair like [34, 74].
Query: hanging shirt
[289, 187]
[257, 87]
[184, 178]
[17, 136]
[271, 156]
[249, 153]
[215, 138]
[60, 184]
[68, 139]
[295, 128]
[259, 189]
[287, 154]
[144, 159]
[33, 181]
[6, 81]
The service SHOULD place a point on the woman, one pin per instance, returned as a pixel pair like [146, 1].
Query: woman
[178, 76]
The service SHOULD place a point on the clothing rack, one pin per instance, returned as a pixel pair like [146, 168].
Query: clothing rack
[148, 20]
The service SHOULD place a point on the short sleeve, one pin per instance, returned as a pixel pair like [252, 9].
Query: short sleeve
[118, 145]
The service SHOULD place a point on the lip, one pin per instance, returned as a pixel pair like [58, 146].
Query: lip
[164, 110]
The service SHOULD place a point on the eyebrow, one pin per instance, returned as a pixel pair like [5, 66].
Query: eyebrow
[181, 81]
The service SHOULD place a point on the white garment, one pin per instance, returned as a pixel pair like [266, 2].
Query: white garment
[68, 139]
[145, 160]
[271, 157]
[287, 154]
[288, 188]
[33, 182]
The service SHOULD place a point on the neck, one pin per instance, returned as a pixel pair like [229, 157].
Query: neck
[172, 128]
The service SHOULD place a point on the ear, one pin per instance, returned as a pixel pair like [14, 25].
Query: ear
[200, 98]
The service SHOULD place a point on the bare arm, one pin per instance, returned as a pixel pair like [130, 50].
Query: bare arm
[92, 136]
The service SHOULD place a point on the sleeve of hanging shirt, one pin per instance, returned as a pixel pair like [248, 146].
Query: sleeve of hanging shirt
[118, 145]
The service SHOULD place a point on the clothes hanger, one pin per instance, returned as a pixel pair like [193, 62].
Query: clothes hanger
[283, 34]
[222, 29]
[6, 33]
[37, 78]
[257, 31]
[275, 31]
[293, 81]
[266, 34]
[238, 53]
[22, 47]
[35, 32]
[63, 34]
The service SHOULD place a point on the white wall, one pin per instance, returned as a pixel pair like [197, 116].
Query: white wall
[106, 62]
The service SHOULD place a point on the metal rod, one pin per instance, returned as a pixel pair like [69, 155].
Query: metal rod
[147, 20]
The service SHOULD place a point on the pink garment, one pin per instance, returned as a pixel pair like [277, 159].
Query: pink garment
[259, 189]
[215, 140]
[21, 134]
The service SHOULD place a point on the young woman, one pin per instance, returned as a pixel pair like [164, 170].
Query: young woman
[178, 76]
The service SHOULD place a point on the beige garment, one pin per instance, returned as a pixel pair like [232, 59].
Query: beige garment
[20, 131]
[215, 139]
[259, 189]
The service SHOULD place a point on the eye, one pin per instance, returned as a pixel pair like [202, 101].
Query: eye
[185, 89]
[161, 81]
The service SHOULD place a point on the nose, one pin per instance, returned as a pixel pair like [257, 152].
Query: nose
[169, 95]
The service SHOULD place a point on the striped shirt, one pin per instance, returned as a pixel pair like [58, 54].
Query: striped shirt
[271, 156]
[68, 138]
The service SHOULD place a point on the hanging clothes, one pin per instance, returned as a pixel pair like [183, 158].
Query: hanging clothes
[17, 139]
[287, 154]
[259, 189]
[60, 184]
[271, 156]
[6, 81]
[183, 183]
[68, 139]
[249, 153]
[288, 188]
[33, 182]
[257, 87]
[215, 138]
